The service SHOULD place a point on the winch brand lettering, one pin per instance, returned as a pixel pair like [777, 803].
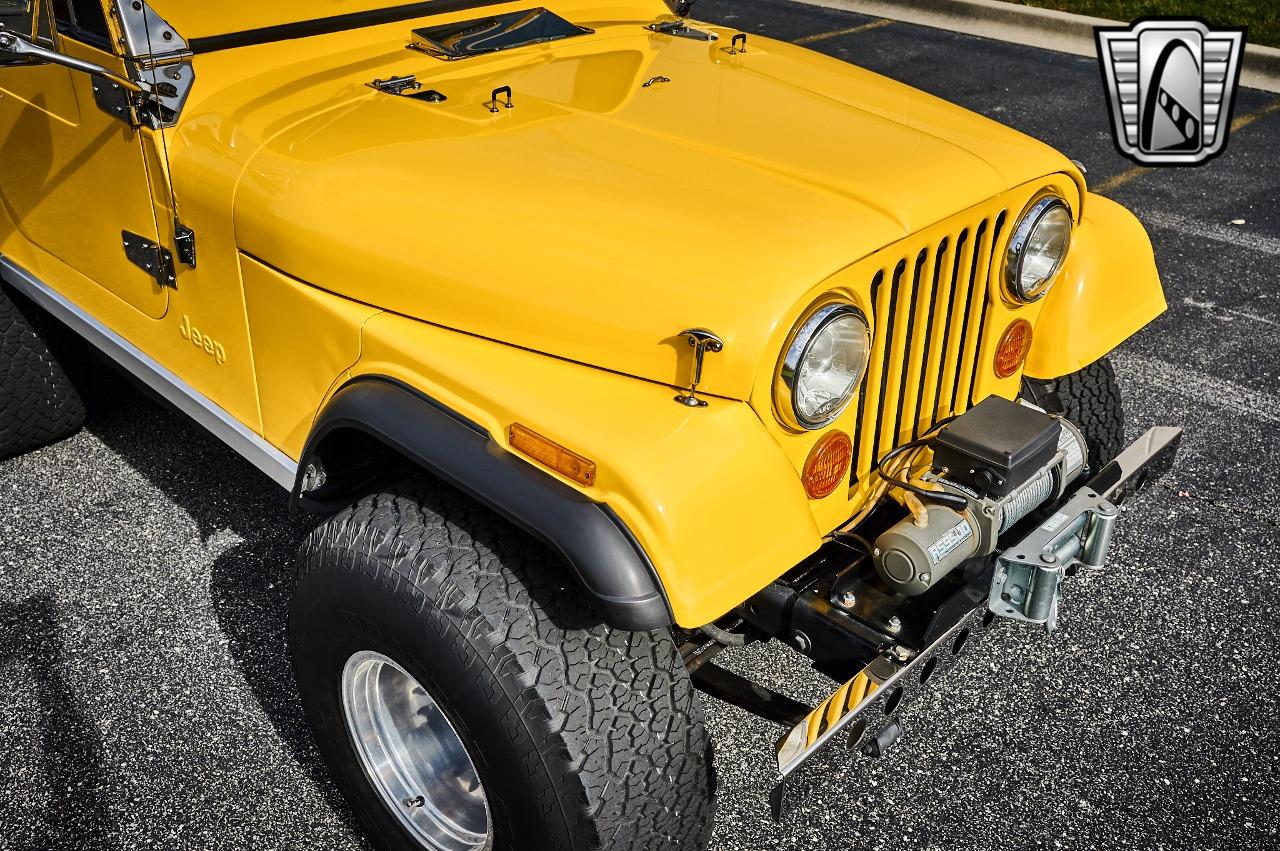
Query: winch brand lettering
[211, 347]
[1171, 84]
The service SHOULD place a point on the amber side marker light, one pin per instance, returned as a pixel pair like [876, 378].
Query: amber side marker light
[551, 455]
[827, 464]
[1013, 349]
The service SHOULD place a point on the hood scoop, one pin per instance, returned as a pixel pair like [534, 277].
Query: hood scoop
[461, 39]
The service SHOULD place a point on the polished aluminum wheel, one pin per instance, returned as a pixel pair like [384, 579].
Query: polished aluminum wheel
[413, 756]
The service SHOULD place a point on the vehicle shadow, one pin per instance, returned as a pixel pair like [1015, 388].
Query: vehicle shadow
[76, 812]
[250, 587]
[250, 581]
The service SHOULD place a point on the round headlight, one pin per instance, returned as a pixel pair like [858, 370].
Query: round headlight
[823, 366]
[1037, 249]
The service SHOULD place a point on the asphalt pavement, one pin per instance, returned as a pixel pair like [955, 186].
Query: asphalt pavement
[146, 700]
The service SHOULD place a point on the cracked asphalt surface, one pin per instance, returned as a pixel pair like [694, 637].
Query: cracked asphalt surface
[147, 700]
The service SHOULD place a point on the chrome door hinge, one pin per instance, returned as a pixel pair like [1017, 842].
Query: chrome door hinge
[150, 257]
[184, 239]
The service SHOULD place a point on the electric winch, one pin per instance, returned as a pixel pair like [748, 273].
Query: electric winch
[991, 467]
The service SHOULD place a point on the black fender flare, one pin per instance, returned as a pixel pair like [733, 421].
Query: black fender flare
[609, 563]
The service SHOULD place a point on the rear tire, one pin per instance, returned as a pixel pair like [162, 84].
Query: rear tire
[1089, 398]
[38, 401]
[583, 736]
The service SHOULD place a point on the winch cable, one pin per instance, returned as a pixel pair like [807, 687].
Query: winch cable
[950, 500]
[885, 465]
[844, 539]
[874, 498]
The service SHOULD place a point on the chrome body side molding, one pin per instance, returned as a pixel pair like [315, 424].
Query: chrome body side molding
[282, 469]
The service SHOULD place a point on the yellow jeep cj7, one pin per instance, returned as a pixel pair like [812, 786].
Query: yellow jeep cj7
[601, 340]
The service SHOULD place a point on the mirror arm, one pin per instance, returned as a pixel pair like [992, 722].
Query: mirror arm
[13, 43]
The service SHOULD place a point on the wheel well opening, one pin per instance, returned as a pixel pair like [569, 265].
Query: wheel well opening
[375, 431]
[343, 466]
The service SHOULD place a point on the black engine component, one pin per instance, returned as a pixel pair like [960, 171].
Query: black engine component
[995, 447]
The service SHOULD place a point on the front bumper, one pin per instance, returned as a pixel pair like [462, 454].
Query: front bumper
[864, 712]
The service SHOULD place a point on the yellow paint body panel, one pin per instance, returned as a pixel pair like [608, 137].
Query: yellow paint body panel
[71, 179]
[1109, 289]
[60, 150]
[916, 379]
[715, 505]
[304, 341]
[531, 233]
[536, 265]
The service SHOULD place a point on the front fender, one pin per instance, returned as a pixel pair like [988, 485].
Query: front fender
[710, 500]
[592, 542]
[1108, 290]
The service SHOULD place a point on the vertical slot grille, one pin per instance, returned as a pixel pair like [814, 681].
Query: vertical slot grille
[929, 312]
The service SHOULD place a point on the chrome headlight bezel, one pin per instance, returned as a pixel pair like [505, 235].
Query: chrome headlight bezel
[808, 331]
[1015, 289]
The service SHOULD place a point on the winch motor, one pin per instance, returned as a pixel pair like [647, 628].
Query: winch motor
[1005, 460]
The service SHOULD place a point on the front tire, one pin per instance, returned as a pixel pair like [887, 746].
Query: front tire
[1090, 399]
[581, 736]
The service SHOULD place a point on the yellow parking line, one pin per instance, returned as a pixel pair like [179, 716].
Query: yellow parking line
[874, 25]
[1115, 182]
[1243, 121]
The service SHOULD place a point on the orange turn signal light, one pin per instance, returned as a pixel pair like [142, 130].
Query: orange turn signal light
[1013, 349]
[551, 455]
[827, 464]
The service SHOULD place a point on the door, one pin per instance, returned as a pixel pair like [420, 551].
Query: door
[73, 177]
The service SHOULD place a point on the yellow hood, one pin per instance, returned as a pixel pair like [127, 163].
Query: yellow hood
[640, 185]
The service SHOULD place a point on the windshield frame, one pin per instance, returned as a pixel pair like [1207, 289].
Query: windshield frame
[334, 24]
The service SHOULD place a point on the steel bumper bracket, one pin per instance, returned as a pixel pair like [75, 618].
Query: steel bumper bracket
[1027, 581]
[863, 712]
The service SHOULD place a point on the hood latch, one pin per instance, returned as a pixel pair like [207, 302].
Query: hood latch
[702, 341]
[403, 85]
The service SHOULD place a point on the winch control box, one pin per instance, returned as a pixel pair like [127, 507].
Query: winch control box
[995, 447]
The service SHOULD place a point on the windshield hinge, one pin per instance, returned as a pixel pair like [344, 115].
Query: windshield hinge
[397, 85]
[146, 35]
[680, 29]
[159, 58]
[150, 257]
[408, 86]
